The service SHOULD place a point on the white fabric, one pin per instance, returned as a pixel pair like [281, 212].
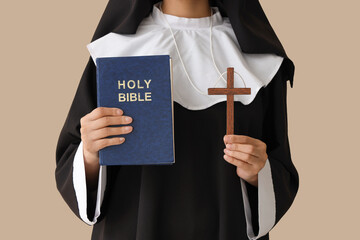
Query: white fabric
[153, 37]
[79, 182]
[192, 34]
[266, 203]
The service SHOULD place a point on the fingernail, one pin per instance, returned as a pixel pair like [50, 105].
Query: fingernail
[119, 112]
[128, 128]
[128, 119]
[228, 145]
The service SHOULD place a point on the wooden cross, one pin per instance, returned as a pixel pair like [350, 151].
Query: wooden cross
[230, 91]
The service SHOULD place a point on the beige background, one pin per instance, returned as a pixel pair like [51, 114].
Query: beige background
[43, 55]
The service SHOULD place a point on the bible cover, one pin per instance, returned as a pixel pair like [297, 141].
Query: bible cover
[142, 87]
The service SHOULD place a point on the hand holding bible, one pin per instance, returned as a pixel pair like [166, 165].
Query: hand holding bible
[95, 128]
[247, 154]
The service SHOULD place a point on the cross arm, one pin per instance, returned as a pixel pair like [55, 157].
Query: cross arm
[226, 91]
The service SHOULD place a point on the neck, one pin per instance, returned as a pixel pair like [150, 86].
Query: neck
[186, 8]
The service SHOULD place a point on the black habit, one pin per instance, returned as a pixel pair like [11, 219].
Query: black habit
[200, 196]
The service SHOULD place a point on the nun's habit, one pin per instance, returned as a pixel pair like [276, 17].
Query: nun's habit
[200, 196]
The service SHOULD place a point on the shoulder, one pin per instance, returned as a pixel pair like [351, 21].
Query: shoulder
[146, 37]
[146, 26]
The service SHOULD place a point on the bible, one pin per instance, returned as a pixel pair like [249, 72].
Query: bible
[142, 87]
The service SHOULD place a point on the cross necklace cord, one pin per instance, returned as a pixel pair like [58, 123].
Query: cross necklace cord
[230, 91]
[177, 49]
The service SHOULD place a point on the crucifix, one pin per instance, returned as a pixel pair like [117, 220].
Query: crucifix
[230, 91]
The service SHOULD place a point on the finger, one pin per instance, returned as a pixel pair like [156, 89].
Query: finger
[241, 139]
[245, 148]
[245, 157]
[110, 131]
[102, 143]
[110, 120]
[104, 111]
[237, 163]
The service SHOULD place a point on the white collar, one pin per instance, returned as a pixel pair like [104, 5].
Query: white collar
[183, 22]
[153, 38]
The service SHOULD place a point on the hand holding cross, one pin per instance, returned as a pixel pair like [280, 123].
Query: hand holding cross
[249, 166]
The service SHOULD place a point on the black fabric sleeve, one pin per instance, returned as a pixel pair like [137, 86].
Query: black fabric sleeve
[70, 137]
[279, 180]
[275, 134]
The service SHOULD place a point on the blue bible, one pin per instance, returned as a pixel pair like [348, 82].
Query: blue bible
[142, 87]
